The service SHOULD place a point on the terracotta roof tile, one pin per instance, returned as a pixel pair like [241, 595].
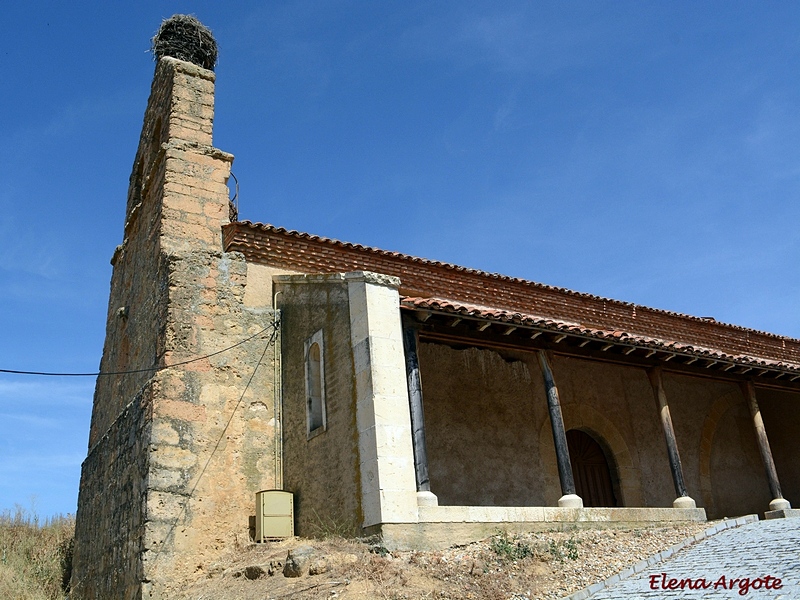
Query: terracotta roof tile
[503, 316]
[464, 286]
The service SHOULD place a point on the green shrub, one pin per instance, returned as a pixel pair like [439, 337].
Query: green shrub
[563, 550]
[510, 548]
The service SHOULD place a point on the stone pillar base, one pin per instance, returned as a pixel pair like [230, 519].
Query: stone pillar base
[684, 502]
[427, 499]
[570, 501]
[779, 504]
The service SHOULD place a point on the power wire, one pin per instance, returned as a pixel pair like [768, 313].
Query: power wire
[188, 496]
[274, 325]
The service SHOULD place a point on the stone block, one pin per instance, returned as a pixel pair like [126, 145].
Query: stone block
[180, 410]
[391, 411]
[779, 504]
[392, 440]
[427, 499]
[167, 479]
[164, 434]
[165, 506]
[370, 506]
[173, 457]
[298, 561]
[570, 501]
[396, 473]
[399, 506]
[786, 513]
[595, 587]
[370, 475]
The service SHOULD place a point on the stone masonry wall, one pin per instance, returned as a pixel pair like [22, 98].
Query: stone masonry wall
[212, 445]
[113, 521]
[193, 460]
[322, 471]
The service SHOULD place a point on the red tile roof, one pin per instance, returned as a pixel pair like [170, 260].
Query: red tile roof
[442, 305]
[423, 278]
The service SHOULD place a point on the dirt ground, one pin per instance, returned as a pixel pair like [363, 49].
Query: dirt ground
[505, 566]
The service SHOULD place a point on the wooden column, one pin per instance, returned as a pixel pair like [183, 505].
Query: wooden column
[417, 415]
[778, 502]
[568, 499]
[683, 500]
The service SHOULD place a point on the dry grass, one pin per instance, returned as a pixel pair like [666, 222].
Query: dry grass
[35, 555]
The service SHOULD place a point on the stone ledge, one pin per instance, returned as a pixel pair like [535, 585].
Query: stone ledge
[309, 278]
[353, 276]
[785, 513]
[503, 514]
[445, 526]
[186, 67]
[374, 278]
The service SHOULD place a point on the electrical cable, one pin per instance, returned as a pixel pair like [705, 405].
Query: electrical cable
[188, 497]
[274, 325]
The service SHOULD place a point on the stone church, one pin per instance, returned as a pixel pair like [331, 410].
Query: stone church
[394, 396]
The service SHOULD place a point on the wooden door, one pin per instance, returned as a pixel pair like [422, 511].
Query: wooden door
[590, 470]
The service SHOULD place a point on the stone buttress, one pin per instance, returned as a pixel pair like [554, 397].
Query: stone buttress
[175, 453]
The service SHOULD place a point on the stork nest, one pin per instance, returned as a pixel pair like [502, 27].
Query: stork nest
[185, 38]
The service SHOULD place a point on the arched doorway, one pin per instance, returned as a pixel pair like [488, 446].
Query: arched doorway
[590, 470]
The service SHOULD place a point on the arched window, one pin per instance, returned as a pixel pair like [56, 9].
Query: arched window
[315, 385]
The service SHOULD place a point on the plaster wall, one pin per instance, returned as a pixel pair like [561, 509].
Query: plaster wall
[483, 415]
[490, 442]
[781, 413]
[322, 471]
[489, 435]
[260, 290]
[616, 405]
[721, 462]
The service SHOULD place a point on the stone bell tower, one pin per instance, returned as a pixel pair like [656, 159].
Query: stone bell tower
[182, 431]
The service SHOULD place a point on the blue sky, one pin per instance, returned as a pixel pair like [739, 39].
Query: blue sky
[644, 151]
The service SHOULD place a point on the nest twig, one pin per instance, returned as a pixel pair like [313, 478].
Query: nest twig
[185, 38]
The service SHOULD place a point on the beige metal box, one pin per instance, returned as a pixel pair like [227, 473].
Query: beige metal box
[274, 514]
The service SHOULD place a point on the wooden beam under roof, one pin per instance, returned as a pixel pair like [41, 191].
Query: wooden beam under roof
[582, 350]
